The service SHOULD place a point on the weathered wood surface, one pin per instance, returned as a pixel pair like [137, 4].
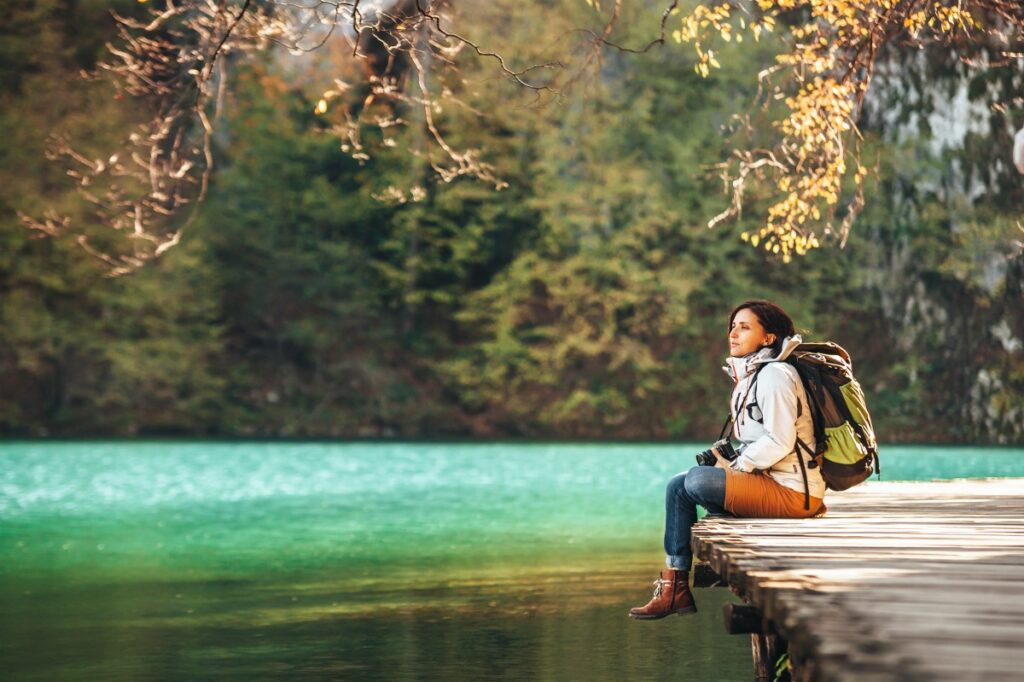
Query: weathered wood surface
[898, 581]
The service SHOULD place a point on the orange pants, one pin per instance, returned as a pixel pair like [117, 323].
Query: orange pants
[758, 496]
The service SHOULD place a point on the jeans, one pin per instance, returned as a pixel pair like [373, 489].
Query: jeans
[700, 485]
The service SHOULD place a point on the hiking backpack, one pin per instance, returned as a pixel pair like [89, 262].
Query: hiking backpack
[847, 451]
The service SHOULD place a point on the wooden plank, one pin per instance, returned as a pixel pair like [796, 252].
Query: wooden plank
[899, 581]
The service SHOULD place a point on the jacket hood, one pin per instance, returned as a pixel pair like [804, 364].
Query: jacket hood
[741, 367]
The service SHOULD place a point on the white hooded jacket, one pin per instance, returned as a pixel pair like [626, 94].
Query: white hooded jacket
[779, 401]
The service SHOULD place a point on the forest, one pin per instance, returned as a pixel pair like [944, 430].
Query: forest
[582, 297]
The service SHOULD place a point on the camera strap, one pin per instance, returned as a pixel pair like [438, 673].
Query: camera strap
[725, 426]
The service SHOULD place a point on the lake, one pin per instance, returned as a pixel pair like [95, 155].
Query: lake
[356, 561]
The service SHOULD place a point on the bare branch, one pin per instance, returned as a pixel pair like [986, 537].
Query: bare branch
[660, 40]
[516, 76]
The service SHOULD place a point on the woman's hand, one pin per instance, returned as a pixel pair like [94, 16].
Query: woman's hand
[720, 462]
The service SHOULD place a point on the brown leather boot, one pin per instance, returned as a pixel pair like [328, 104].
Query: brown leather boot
[671, 595]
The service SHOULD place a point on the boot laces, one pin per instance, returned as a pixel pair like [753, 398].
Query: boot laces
[659, 586]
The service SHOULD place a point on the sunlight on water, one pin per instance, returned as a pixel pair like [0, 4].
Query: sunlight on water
[359, 561]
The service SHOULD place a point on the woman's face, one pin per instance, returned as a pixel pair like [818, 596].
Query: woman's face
[747, 334]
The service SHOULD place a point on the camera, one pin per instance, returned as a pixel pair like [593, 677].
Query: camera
[725, 449]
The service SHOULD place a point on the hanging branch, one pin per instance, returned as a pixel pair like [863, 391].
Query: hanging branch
[175, 65]
[825, 76]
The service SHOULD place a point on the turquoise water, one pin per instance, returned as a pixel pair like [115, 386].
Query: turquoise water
[134, 560]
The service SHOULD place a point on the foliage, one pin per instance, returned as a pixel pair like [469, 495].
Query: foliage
[81, 352]
[407, 65]
[832, 50]
[585, 299]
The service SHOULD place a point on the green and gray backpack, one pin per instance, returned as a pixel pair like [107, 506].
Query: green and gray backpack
[846, 447]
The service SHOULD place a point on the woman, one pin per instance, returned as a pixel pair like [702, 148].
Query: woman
[766, 479]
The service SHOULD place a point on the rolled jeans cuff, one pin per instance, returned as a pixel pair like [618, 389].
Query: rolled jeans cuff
[679, 563]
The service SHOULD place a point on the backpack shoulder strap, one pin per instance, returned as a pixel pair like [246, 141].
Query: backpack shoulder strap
[810, 378]
[803, 470]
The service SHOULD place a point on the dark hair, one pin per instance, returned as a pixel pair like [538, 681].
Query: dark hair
[773, 318]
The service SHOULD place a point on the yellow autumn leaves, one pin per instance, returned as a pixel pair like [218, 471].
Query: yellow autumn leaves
[942, 19]
[828, 65]
[704, 21]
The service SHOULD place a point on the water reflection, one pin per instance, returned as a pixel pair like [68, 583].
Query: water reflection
[285, 630]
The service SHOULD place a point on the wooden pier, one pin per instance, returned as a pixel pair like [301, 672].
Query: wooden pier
[898, 581]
